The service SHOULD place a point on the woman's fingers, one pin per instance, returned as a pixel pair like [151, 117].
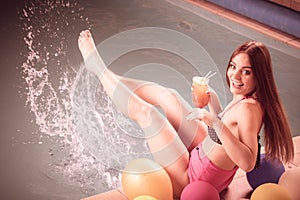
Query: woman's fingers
[195, 114]
[200, 114]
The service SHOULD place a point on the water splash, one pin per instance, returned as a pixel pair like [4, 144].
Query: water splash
[69, 103]
[107, 133]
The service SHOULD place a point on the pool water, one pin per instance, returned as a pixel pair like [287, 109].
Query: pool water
[64, 139]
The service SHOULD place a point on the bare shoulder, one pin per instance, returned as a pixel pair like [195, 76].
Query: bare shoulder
[249, 106]
[248, 111]
[246, 115]
[249, 115]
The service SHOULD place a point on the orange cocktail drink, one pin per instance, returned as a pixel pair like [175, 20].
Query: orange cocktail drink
[199, 91]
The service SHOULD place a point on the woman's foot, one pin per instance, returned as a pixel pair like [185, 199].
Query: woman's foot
[92, 60]
[86, 43]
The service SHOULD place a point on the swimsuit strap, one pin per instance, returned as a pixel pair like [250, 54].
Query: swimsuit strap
[220, 115]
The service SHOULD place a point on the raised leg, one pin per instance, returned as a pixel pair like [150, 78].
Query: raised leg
[174, 107]
[162, 138]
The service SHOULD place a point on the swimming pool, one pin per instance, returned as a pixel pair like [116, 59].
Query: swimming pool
[41, 163]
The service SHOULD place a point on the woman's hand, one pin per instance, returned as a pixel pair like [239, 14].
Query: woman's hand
[202, 115]
[214, 104]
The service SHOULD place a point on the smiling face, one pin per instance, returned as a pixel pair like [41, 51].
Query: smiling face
[240, 75]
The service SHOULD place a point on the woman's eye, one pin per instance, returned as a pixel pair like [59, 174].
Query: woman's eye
[246, 72]
[232, 66]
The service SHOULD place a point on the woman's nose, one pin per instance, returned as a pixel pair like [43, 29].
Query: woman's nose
[236, 75]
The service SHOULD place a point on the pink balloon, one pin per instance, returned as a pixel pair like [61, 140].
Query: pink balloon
[199, 190]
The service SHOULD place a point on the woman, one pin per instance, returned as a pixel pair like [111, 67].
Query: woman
[176, 139]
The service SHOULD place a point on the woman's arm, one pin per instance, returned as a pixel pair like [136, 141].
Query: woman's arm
[238, 133]
[241, 148]
[214, 103]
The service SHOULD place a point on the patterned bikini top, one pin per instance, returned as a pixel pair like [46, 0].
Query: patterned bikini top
[213, 135]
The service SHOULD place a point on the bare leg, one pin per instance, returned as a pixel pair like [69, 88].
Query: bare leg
[174, 106]
[166, 146]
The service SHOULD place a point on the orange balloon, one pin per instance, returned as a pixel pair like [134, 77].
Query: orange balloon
[146, 177]
[144, 197]
[290, 179]
[270, 191]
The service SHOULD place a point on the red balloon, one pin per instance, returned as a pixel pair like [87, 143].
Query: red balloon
[199, 190]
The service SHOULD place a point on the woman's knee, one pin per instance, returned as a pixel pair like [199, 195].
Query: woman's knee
[173, 92]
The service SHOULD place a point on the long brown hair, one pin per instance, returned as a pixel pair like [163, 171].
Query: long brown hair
[277, 133]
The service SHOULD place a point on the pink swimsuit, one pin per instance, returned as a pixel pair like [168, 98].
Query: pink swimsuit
[201, 168]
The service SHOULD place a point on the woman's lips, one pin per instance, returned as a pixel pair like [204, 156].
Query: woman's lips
[237, 84]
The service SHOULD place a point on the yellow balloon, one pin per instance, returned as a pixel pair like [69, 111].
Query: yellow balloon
[270, 191]
[146, 177]
[290, 179]
[144, 197]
